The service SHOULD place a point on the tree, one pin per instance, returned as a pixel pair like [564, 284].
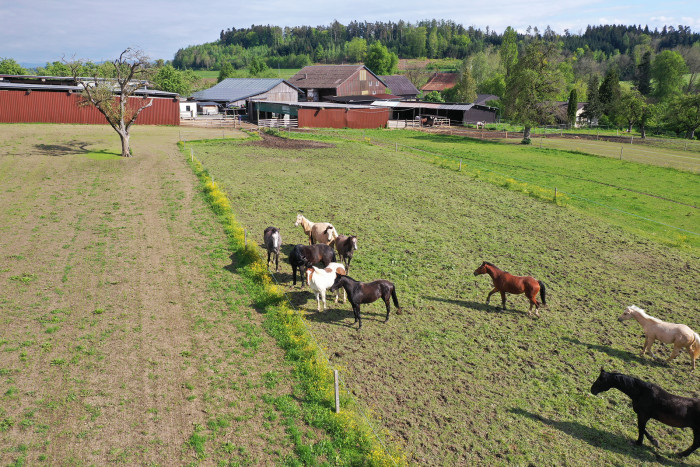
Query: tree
[643, 77]
[112, 96]
[572, 107]
[684, 114]
[357, 49]
[667, 70]
[691, 55]
[465, 88]
[226, 71]
[10, 67]
[257, 66]
[434, 96]
[509, 50]
[634, 110]
[533, 85]
[593, 109]
[380, 60]
[169, 79]
[609, 93]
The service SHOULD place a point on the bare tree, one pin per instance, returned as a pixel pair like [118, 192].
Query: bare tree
[112, 95]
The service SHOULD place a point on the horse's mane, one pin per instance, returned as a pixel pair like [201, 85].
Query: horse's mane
[645, 314]
[629, 382]
[490, 264]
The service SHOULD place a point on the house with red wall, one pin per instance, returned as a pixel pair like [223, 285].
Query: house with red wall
[321, 81]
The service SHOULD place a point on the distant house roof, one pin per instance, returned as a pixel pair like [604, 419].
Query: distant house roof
[236, 89]
[325, 76]
[368, 98]
[400, 85]
[441, 81]
[484, 98]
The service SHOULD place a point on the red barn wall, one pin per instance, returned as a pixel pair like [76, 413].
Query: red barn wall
[353, 86]
[61, 107]
[342, 118]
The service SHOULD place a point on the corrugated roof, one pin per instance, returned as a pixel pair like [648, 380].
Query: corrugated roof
[400, 85]
[441, 81]
[77, 89]
[325, 76]
[236, 89]
[422, 105]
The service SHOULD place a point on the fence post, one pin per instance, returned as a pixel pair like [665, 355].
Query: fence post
[621, 148]
[191, 155]
[460, 165]
[245, 237]
[631, 139]
[555, 195]
[397, 147]
[337, 392]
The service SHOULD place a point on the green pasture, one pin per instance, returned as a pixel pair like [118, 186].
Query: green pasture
[451, 380]
[283, 73]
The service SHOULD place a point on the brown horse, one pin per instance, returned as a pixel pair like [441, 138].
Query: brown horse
[507, 283]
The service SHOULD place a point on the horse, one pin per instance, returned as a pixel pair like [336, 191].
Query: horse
[507, 283]
[303, 256]
[273, 242]
[651, 401]
[366, 292]
[680, 335]
[321, 279]
[316, 230]
[345, 246]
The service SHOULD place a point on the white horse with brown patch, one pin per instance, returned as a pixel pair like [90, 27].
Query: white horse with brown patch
[318, 232]
[680, 335]
[320, 280]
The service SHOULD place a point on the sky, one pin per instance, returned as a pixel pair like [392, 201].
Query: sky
[34, 32]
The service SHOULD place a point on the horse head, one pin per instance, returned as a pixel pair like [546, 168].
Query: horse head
[629, 312]
[337, 283]
[353, 239]
[331, 233]
[300, 219]
[481, 269]
[603, 383]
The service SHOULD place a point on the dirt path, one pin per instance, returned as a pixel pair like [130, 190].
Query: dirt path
[124, 337]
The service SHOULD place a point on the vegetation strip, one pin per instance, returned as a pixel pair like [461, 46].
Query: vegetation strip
[352, 433]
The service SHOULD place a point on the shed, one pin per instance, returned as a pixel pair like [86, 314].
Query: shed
[401, 86]
[235, 91]
[322, 81]
[462, 113]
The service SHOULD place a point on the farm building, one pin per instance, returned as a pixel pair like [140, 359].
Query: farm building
[322, 81]
[363, 100]
[562, 118]
[440, 82]
[49, 99]
[401, 86]
[320, 114]
[482, 99]
[456, 113]
[234, 92]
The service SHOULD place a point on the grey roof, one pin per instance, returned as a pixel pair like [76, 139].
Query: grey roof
[77, 89]
[484, 98]
[400, 85]
[236, 89]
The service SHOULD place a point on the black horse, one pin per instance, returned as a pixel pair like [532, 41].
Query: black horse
[303, 256]
[651, 401]
[366, 292]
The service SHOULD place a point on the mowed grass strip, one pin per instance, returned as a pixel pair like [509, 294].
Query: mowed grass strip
[452, 380]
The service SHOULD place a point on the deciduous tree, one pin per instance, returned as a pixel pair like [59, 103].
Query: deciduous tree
[380, 60]
[667, 70]
[9, 66]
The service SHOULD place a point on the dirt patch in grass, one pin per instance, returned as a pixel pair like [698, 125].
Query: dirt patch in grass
[277, 142]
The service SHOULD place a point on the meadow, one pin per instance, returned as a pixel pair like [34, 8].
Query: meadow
[453, 380]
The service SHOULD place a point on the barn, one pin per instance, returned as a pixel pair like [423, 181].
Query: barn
[235, 92]
[401, 86]
[321, 81]
[54, 99]
[321, 114]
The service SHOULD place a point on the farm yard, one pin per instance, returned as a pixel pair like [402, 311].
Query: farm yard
[128, 336]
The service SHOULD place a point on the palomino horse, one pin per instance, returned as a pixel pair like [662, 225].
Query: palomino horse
[507, 283]
[680, 335]
[318, 232]
[303, 256]
[366, 292]
[320, 280]
[651, 401]
[273, 242]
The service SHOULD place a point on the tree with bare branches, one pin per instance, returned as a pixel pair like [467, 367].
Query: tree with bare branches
[112, 95]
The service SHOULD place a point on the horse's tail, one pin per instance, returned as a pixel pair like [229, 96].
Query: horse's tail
[695, 346]
[396, 300]
[542, 292]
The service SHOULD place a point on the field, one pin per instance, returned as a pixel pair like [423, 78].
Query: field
[455, 381]
[126, 336]
[283, 73]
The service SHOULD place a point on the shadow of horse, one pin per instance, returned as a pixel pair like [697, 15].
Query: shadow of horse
[623, 355]
[480, 306]
[338, 313]
[598, 438]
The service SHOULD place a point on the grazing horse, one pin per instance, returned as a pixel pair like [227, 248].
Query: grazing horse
[346, 246]
[273, 242]
[321, 279]
[317, 231]
[680, 335]
[303, 256]
[507, 283]
[366, 292]
[651, 401]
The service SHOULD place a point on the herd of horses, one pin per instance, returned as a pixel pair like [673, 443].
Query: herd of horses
[648, 400]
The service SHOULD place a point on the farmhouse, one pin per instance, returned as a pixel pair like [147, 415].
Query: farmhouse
[235, 92]
[322, 81]
[400, 86]
[54, 99]
[560, 113]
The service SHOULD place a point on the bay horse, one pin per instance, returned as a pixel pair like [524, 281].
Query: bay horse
[366, 292]
[651, 401]
[319, 280]
[345, 246]
[273, 242]
[505, 282]
[317, 231]
[303, 256]
[680, 335]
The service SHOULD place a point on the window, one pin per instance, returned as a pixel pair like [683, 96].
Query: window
[363, 75]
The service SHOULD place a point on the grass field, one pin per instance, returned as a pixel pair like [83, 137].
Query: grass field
[283, 73]
[455, 381]
[126, 337]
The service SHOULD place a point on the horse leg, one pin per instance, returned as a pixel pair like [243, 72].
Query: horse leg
[676, 350]
[318, 302]
[641, 425]
[694, 446]
[277, 262]
[488, 297]
[648, 342]
[323, 297]
[294, 275]
[692, 356]
[268, 258]
[356, 311]
[388, 307]
[503, 299]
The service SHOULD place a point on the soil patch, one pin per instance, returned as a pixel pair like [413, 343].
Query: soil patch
[277, 142]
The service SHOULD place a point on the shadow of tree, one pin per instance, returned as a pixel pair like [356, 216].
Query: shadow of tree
[71, 147]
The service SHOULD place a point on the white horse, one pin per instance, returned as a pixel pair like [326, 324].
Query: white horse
[680, 335]
[320, 280]
[318, 232]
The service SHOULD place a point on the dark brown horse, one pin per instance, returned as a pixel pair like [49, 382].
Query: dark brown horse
[366, 292]
[504, 282]
[346, 246]
[273, 242]
[651, 401]
[303, 256]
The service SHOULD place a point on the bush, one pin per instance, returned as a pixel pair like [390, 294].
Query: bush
[526, 141]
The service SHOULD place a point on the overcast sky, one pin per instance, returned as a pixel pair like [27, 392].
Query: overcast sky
[40, 31]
